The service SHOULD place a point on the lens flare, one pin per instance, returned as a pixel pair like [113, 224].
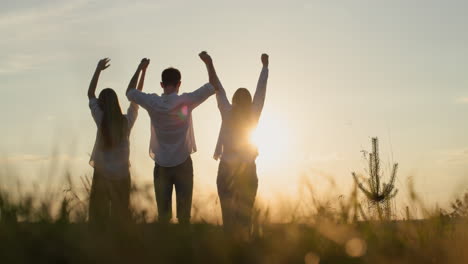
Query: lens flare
[356, 247]
[183, 112]
[311, 258]
[271, 138]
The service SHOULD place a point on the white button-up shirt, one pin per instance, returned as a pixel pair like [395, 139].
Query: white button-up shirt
[172, 136]
[226, 138]
[113, 163]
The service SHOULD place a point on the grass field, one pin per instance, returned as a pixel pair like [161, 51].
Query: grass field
[429, 241]
[54, 230]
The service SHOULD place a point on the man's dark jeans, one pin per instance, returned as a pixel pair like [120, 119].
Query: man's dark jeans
[181, 177]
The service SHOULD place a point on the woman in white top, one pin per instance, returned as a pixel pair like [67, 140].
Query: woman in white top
[237, 174]
[110, 189]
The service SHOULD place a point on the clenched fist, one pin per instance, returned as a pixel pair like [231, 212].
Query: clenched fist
[265, 59]
[144, 63]
[205, 57]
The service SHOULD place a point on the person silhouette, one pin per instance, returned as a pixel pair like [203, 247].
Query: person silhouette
[172, 141]
[237, 180]
[110, 187]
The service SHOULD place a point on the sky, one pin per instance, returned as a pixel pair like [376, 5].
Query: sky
[341, 72]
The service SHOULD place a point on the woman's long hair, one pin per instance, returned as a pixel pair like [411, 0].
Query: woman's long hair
[242, 121]
[114, 125]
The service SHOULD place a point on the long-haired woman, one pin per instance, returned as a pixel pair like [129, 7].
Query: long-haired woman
[237, 174]
[110, 189]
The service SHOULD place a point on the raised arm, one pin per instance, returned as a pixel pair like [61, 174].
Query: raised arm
[212, 76]
[102, 65]
[132, 112]
[134, 80]
[260, 93]
[141, 82]
[134, 94]
[221, 98]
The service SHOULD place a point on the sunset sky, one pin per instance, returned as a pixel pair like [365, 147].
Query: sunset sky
[341, 72]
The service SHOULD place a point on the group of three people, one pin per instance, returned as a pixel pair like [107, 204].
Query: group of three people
[171, 144]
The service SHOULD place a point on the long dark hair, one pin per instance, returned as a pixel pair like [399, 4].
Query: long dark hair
[242, 120]
[114, 125]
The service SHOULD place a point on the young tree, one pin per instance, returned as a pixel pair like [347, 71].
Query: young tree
[378, 194]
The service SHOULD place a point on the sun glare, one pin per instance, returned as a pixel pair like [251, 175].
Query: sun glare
[271, 138]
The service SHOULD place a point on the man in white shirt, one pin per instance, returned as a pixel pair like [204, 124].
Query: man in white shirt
[172, 141]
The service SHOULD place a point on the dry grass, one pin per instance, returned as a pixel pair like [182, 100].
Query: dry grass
[50, 227]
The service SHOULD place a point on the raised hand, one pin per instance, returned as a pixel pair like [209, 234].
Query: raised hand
[265, 59]
[205, 57]
[212, 76]
[103, 64]
[144, 63]
[143, 66]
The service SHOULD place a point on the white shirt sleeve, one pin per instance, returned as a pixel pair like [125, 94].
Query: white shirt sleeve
[143, 99]
[96, 111]
[198, 96]
[132, 114]
[221, 99]
[260, 93]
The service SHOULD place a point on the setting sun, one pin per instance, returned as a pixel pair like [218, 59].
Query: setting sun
[271, 138]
